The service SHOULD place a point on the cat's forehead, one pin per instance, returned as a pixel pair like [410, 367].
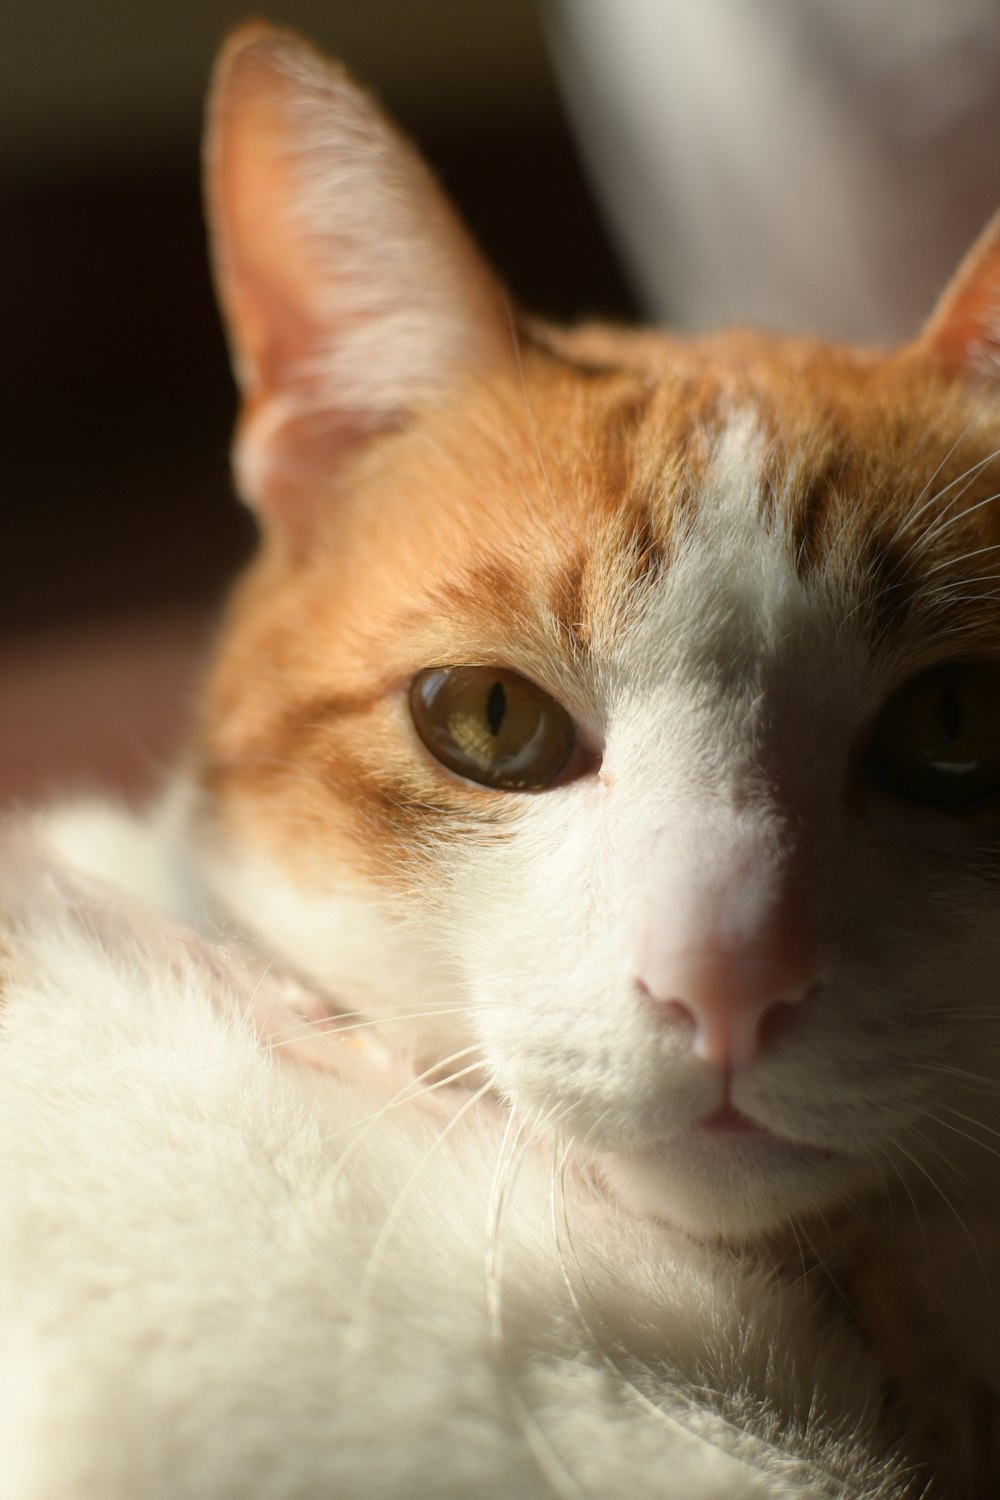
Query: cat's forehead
[858, 476]
[538, 522]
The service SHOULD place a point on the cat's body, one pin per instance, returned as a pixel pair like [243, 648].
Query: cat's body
[610, 725]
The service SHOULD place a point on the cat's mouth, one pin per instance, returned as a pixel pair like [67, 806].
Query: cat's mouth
[727, 1120]
[727, 1125]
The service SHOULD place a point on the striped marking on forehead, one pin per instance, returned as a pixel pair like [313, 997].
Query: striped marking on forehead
[730, 582]
[845, 544]
[636, 528]
[849, 446]
[710, 502]
[894, 515]
[733, 655]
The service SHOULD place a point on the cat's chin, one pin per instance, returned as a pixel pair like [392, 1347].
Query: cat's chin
[736, 1184]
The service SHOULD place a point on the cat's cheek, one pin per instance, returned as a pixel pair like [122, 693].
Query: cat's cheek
[346, 938]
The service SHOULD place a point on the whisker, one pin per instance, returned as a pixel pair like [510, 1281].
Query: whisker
[953, 562]
[939, 1190]
[969, 1120]
[513, 1132]
[514, 1146]
[966, 1136]
[911, 518]
[981, 1193]
[946, 592]
[247, 1008]
[947, 519]
[966, 479]
[403, 1096]
[332, 1025]
[377, 1254]
[902, 1179]
[980, 1081]
[681, 1394]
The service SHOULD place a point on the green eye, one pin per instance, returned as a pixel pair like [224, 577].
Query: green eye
[938, 739]
[492, 726]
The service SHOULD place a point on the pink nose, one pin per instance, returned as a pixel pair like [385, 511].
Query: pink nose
[728, 998]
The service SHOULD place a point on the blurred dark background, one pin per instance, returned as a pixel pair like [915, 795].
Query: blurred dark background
[117, 398]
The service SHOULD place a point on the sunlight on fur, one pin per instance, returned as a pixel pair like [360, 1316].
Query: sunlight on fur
[543, 1040]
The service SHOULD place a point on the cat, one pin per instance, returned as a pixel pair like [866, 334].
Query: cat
[544, 1040]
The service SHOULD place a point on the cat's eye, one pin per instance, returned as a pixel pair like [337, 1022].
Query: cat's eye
[937, 740]
[492, 726]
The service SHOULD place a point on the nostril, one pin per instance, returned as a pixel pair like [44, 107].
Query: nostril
[726, 1009]
[670, 1012]
[677, 1016]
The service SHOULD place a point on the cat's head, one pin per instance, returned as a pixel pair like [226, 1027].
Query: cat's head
[627, 707]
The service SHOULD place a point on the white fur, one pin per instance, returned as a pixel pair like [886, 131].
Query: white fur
[730, 699]
[224, 1276]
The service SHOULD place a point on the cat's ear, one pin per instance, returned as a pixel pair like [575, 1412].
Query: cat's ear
[352, 294]
[962, 335]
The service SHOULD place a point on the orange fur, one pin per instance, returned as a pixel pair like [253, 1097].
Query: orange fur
[477, 489]
[505, 530]
[484, 491]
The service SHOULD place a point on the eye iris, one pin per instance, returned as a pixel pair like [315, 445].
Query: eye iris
[492, 726]
[937, 740]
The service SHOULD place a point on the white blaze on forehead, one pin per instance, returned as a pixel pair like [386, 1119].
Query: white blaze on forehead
[731, 585]
[735, 692]
[732, 626]
[691, 643]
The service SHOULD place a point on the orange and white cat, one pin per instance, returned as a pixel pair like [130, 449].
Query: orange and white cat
[598, 782]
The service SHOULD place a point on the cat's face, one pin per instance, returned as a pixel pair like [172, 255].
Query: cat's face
[694, 829]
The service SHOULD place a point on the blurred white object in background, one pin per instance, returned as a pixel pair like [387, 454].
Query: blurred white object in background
[813, 164]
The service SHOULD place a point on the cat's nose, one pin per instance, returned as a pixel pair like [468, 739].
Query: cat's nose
[729, 943]
[731, 1001]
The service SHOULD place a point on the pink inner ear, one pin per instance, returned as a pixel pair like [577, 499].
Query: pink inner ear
[963, 335]
[271, 282]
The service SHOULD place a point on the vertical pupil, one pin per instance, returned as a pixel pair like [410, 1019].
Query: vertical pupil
[496, 707]
[951, 710]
